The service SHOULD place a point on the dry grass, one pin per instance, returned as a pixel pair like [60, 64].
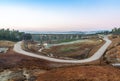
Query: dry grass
[4, 43]
[113, 52]
[77, 50]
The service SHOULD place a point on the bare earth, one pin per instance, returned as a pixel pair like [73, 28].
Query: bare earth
[16, 67]
[82, 73]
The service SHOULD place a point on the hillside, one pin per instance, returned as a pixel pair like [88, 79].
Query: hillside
[82, 73]
[113, 52]
[17, 67]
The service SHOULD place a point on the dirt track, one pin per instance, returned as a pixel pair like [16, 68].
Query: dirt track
[96, 56]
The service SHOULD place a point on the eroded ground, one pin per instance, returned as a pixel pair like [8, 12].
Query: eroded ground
[113, 52]
[17, 67]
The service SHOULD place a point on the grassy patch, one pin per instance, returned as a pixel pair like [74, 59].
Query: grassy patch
[61, 41]
[4, 43]
[69, 49]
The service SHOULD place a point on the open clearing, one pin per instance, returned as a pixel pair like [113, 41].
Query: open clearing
[77, 50]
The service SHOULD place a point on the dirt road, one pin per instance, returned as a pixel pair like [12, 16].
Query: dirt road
[96, 56]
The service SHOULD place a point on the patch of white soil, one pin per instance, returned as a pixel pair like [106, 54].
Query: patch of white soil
[5, 75]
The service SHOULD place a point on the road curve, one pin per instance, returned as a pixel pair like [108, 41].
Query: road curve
[96, 56]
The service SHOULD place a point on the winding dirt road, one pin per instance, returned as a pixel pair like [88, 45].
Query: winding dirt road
[96, 56]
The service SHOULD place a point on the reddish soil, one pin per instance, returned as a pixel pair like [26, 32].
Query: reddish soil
[82, 73]
[12, 60]
[91, 72]
[18, 63]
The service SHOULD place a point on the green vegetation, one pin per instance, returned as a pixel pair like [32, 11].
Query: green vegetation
[11, 35]
[56, 38]
[113, 31]
[69, 49]
[67, 40]
[27, 36]
[116, 31]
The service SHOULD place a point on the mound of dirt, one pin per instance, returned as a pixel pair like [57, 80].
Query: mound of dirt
[112, 54]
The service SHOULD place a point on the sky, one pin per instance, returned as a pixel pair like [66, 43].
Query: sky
[59, 15]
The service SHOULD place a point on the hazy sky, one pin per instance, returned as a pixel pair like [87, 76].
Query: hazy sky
[59, 15]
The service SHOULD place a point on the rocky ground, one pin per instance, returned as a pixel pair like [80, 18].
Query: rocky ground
[17, 67]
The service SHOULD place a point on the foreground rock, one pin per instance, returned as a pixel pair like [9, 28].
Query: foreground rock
[20, 75]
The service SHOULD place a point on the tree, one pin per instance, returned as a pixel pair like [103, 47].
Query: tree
[12, 35]
[116, 30]
[27, 36]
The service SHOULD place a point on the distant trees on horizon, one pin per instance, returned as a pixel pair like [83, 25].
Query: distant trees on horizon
[115, 30]
[11, 35]
[15, 35]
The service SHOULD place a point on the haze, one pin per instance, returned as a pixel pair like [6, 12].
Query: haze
[59, 15]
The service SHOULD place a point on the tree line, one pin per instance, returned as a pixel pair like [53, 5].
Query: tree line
[15, 35]
[115, 31]
[11, 35]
